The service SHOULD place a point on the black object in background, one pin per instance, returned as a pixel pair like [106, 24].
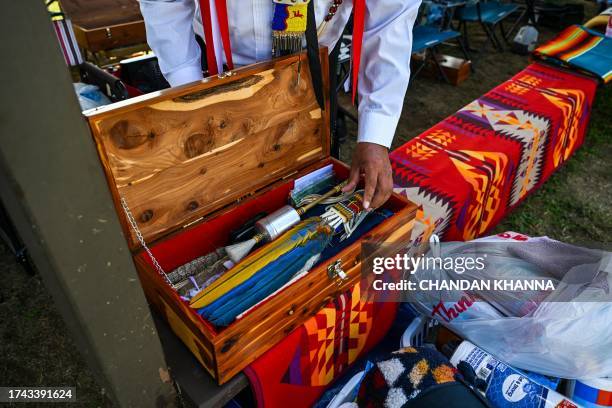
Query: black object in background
[247, 231]
[559, 16]
[109, 84]
[143, 73]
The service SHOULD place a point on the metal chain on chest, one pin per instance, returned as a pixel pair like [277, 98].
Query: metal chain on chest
[140, 238]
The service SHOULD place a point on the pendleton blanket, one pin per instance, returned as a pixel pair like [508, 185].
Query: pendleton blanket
[466, 172]
[295, 372]
[469, 170]
[580, 48]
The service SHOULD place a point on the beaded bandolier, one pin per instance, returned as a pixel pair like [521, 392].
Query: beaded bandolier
[289, 24]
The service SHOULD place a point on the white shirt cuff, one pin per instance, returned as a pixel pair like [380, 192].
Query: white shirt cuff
[376, 128]
[184, 75]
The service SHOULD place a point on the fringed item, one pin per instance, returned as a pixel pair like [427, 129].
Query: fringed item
[346, 215]
[288, 26]
[197, 265]
[200, 281]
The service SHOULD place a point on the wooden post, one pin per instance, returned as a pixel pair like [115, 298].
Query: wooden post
[54, 189]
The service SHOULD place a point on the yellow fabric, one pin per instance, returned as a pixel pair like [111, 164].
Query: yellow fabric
[296, 22]
[598, 21]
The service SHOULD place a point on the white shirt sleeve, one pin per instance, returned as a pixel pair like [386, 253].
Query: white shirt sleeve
[169, 25]
[385, 67]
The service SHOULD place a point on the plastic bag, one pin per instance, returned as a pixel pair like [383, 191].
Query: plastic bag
[563, 333]
[90, 96]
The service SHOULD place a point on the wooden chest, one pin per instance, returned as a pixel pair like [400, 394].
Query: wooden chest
[197, 161]
[105, 24]
[456, 69]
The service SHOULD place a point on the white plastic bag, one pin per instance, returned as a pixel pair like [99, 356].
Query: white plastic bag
[90, 96]
[566, 333]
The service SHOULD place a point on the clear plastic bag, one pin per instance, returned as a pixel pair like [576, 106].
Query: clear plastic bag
[566, 332]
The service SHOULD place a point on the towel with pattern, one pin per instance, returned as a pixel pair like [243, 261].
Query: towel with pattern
[580, 48]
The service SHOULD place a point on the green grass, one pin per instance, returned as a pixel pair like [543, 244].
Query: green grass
[574, 204]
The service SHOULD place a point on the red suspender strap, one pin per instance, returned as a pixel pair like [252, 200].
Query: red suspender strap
[208, 37]
[224, 28]
[221, 9]
[358, 27]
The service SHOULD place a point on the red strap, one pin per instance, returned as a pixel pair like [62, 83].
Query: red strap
[224, 28]
[208, 37]
[358, 27]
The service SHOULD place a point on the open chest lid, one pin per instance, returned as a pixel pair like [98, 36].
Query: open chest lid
[178, 155]
[95, 14]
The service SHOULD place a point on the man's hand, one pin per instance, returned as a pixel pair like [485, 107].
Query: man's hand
[371, 160]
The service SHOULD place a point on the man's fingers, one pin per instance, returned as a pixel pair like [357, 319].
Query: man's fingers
[370, 186]
[379, 198]
[353, 179]
[384, 188]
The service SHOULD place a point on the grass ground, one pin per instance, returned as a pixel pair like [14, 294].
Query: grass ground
[573, 206]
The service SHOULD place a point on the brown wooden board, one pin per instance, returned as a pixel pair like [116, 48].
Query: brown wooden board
[191, 155]
[95, 14]
[101, 25]
[182, 153]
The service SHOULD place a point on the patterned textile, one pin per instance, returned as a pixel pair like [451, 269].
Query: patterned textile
[581, 48]
[403, 375]
[68, 43]
[466, 172]
[469, 170]
[301, 366]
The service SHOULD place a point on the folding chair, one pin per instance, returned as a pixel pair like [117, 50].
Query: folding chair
[489, 14]
[430, 32]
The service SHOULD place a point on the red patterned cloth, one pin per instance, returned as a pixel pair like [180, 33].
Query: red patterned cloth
[469, 170]
[296, 371]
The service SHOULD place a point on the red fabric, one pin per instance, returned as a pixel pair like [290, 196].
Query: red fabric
[205, 237]
[472, 168]
[358, 28]
[298, 369]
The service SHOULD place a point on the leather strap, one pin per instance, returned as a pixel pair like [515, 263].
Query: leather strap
[312, 50]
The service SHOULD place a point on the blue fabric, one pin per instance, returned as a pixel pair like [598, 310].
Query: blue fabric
[598, 59]
[427, 36]
[372, 220]
[492, 12]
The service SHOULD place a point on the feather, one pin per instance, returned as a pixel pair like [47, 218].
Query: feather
[273, 276]
[297, 236]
